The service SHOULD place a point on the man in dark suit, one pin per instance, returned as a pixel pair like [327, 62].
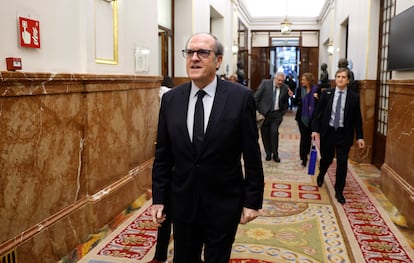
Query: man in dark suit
[197, 175]
[272, 100]
[337, 119]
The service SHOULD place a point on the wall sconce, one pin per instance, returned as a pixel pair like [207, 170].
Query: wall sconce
[286, 27]
[235, 49]
[330, 49]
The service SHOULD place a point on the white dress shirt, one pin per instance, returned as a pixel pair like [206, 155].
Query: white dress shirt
[276, 106]
[208, 99]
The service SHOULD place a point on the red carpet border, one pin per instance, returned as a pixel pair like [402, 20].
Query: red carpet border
[363, 221]
[243, 260]
[135, 241]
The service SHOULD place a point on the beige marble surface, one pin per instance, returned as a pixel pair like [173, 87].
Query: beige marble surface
[397, 173]
[69, 143]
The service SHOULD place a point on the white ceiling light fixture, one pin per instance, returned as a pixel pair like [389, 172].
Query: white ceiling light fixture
[286, 26]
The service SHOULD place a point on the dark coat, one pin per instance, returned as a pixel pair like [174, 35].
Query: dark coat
[211, 184]
[264, 97]
[352, 115]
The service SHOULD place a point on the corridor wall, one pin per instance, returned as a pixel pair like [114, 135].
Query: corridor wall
[75, 150]
[397, 172]
[69, 35]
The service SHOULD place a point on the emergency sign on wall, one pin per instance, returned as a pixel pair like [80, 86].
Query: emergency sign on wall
[29, 30]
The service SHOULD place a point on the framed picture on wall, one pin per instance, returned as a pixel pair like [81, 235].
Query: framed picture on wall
[106, 31]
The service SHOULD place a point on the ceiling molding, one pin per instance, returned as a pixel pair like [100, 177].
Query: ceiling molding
[273, 22]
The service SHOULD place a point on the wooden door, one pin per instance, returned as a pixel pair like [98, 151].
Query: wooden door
[260, 63]
[259, 67]
[309, 62]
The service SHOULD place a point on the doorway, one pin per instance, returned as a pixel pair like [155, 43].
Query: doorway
[285, 53]
[285, 59]
[165, 51]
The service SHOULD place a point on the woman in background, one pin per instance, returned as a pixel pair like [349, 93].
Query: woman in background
[233, 78]
[306, 98]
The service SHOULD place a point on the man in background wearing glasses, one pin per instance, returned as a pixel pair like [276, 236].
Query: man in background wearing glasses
[197, 173]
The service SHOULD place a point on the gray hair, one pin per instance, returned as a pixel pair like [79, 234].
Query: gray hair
[218, 49]
[279, 73]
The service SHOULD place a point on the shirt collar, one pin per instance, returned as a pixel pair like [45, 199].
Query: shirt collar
[343, 90]
[210, 89]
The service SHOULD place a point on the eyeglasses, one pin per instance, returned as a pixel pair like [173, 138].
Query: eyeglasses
[201, 53]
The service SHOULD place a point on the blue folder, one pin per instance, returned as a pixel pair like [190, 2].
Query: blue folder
[312, 160]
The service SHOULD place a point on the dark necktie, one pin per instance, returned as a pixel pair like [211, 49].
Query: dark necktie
[198, 128]
[338, 111]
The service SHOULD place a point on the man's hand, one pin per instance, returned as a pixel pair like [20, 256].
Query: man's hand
[361, 143]
[315, 136]
[248, 215]
[157, 214]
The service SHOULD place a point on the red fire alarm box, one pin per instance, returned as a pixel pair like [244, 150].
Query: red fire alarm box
[14, 64]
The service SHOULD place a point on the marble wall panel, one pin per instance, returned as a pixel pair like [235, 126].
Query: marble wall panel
[57, 240]
[400, 135]
[120, 133]
[39, 158]
[106, 137]
[397, 173]
[399, 192]
[67, 140]
[143, 131]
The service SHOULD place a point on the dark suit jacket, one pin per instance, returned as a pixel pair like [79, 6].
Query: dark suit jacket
[211, 186]
[352, 115]
[264, 97]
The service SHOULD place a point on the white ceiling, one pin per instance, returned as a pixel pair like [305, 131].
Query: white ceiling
[291, 9]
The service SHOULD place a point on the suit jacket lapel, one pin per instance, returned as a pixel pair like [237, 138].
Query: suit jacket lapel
[348, 101]
[217, 109]
[183, 100]
[331, 99]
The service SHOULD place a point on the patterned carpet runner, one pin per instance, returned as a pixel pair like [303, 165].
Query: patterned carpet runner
[373, 237]
[299, 222]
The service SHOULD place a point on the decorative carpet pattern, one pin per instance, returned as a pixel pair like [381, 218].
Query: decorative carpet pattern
[377, 238]
[307, 233]
[133, 241]
[299, 192]
[85, 248]
[299, 222]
